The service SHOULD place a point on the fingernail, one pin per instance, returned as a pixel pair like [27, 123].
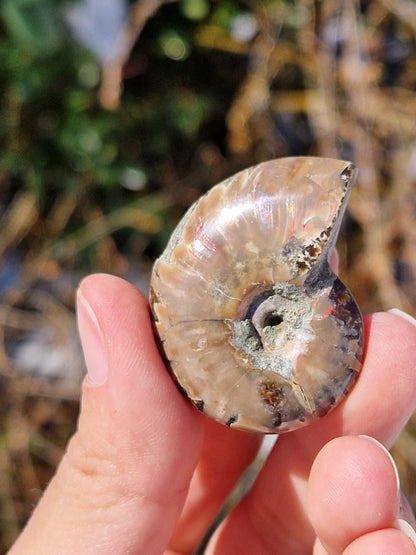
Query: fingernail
[396, 472]
[398, 523]
[405, 527]
[403, 315]
[92, 340]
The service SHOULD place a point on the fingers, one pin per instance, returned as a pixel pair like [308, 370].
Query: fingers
[389, 541]
[353, 498]
[273, 513]
[225, 455]
[124, 478]
[384, 397]
[351, 477]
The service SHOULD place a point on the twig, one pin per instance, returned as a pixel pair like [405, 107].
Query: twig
[112, 75]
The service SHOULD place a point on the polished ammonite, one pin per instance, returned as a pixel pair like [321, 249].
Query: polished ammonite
[256, 329]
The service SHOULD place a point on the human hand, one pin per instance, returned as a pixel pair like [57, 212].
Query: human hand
[146, 473]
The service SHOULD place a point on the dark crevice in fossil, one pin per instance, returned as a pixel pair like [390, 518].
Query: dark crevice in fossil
[199, 405]
[272, 320]
[277, 420]
[233, 418]
[347, 174]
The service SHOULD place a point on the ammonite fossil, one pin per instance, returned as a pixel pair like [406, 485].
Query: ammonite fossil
[256, 329]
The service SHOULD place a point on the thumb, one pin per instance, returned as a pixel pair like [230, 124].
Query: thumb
[124, 478]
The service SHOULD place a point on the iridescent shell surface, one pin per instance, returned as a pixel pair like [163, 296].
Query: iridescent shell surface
[255, 327]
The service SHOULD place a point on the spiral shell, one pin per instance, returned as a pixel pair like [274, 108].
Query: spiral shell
[255, 327]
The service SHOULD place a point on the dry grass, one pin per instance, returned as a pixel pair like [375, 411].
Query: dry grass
[356, 101]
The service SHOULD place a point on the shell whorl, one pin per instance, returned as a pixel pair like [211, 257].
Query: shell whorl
[255, 327]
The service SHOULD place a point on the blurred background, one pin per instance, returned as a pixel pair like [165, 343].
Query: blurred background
[117, 115]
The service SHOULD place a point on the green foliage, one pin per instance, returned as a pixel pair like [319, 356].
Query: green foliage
[195, 9]
[54, 133]
[33, 24]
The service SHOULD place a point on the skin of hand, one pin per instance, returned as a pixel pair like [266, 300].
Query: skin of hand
[145, 473]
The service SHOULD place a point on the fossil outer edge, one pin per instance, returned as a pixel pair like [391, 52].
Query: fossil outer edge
[255, 327]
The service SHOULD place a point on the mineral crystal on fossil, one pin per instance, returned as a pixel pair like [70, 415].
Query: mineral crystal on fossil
[257, 330]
